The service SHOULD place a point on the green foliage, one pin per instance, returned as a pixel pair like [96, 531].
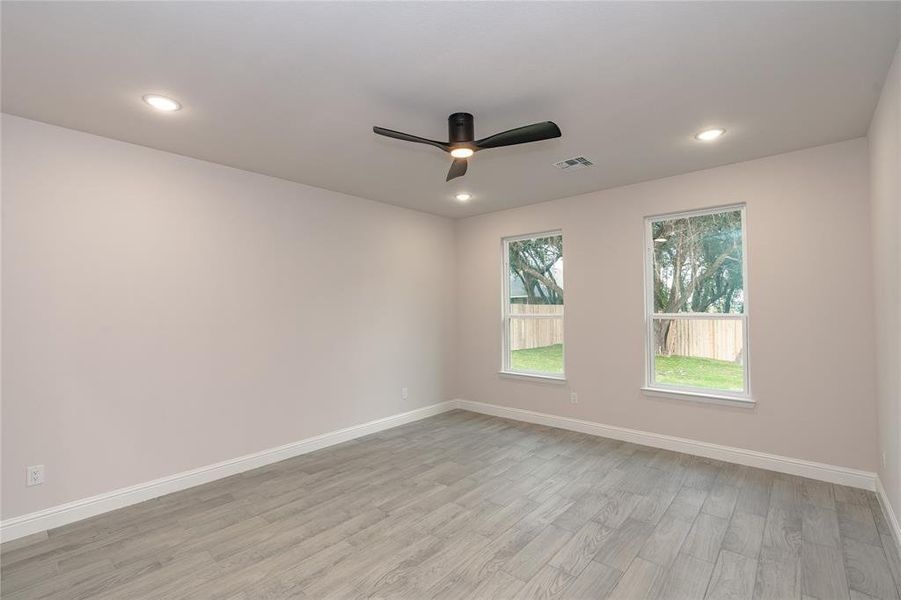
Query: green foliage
[534, 263]
[697, 268]
[698, 264]
[699, 372]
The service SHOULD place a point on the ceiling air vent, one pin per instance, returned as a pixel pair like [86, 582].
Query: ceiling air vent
[573, 164]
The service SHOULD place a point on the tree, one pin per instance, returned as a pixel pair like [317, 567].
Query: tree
[533, 262]
[697, 267]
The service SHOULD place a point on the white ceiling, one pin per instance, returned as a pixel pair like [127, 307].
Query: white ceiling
[293, 89]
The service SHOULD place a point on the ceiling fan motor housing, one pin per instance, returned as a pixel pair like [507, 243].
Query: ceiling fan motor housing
[462, 144]
[460, 128]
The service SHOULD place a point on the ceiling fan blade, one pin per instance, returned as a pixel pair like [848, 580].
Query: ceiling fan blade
[521, 135]
[457, 169]
[398, 135]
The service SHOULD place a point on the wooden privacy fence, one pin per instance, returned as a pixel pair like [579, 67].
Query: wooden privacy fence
[534, 333]
[716, 338]
[720, 339]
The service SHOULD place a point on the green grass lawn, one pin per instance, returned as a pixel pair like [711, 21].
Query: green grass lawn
[544, 359]
[677, 370]
[699, 372]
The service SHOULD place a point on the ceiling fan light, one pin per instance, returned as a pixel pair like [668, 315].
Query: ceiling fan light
[462, 144]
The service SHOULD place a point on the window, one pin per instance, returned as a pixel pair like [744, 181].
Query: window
[697, 303]
[533, 305]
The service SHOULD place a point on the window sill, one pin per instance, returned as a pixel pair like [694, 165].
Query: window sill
[532, 377]
[710, 398]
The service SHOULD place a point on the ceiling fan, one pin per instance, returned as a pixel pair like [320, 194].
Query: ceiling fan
[462, 144]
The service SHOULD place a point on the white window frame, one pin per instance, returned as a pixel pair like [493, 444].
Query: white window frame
[651, 386]
[506, 368]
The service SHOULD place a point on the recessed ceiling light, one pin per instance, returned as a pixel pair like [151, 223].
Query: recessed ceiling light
[462, 152]
[161, 102]
[463, 196]
[708, 135]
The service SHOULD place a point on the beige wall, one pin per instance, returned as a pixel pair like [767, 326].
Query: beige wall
[885, 189]
[811, 331]
[162, 313]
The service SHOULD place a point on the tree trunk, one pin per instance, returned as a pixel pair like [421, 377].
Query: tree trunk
[661, 331]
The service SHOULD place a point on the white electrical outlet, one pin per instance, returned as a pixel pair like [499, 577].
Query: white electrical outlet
[404, 393]
[573, 398]
[34, 475]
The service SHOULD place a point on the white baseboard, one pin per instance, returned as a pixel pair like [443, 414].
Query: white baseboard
[64, 514]
[889, 514]
[71, 512]
[772, 462]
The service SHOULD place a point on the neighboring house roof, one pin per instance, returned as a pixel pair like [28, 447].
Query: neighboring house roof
[518, 290]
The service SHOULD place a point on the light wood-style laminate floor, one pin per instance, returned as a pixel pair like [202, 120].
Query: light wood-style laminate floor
[469, 506]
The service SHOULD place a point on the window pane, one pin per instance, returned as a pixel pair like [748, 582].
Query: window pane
[534, 305]
[536, 271]
[536, 345]
[698, 264]
[699, 353]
